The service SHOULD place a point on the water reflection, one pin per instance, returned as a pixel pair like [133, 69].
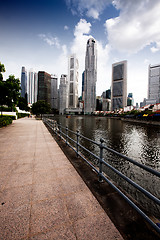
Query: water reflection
[142, 143]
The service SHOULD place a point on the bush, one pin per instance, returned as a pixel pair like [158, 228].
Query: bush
[5, 120]
[21, 115]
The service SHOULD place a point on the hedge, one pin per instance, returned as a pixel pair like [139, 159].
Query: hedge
[5, 120]
[21, 115]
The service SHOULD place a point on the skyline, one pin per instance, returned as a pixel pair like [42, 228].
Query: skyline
[42, 34]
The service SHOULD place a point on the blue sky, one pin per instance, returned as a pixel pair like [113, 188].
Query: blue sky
[41, 34]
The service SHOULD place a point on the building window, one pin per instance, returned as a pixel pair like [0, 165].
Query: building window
[72, 63]
[71, 87]
[71, 75]
[71, 100]
[118, 72]
[117, 89]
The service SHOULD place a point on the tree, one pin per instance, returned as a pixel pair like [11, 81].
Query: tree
[13, 91]
[2, 69]
[40, 107]
[3, 89]
[9, 89]
[22, 104]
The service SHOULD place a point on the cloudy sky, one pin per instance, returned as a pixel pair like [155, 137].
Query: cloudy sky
[41, 34]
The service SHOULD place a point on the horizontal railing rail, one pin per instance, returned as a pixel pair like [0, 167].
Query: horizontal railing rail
[63, 133]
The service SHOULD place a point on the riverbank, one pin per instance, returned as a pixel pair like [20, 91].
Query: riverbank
[155, 123]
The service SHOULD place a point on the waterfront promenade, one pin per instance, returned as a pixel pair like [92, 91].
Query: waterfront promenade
[41, 194]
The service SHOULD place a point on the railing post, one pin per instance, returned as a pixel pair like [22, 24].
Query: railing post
[56, 128]
[54, 125]
[100, 160]
[60, 130]
[77, 142]
[66, 135]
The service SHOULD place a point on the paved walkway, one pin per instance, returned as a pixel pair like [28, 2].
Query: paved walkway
[41, 194]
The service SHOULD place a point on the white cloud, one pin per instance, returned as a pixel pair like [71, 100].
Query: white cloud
[136, 27]
[93, 13]
[154, 49]
[51, 41]
[146, 61]
[66, 27]
[90, 8]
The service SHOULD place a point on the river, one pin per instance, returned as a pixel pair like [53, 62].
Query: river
[137, 141]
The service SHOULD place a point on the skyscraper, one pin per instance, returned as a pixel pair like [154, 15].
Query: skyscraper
[35, 87]
[154, 83]
[73, 81]
[90, 77]
[54, 92]
[63, 94]
[83, 85]
[23, 82]
[44, 87]
[32, 87]
[119, 85]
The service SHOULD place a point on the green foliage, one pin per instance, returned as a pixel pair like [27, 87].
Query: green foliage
[13, 87]
[2, 69]
[22, 104]
[5, 120]
[8, 109]
[40, 107]
[21, 115]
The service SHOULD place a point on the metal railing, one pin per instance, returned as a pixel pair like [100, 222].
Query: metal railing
[64, 134]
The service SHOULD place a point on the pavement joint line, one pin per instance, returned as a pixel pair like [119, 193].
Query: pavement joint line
[33, 213]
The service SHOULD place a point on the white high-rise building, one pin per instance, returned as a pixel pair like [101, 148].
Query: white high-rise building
[63, 94]
[154, 83]
[35, 93]
[119, 85]
[54, 92]
[32, 87]
[73, 81]
[90, 77]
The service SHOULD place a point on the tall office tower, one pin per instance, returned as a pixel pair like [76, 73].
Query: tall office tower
[73, 81]
[54, 92]
[83, 85]
[63, 94]
[35, 87]
[44, 87]
[23, 82]
[90, 77]
[32, 87]
[119, 85]
[130, 101]
[154, 83]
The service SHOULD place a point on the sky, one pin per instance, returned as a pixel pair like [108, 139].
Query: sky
[41, 34]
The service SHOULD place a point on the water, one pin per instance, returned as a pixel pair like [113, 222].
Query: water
[139, 142]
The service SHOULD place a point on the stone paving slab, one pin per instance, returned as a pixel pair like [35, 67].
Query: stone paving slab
[41, 194]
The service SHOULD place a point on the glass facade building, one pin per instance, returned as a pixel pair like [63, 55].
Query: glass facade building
[32, 87]
[54, 92]
[90, 77]
[63, 94]
[73, 81]
[23, 82]
[119, 86]
[154, 83]
[44, 87]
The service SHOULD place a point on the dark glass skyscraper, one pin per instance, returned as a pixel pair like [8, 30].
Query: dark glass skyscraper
[44, 87]
[119, 85]
[23, 82]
